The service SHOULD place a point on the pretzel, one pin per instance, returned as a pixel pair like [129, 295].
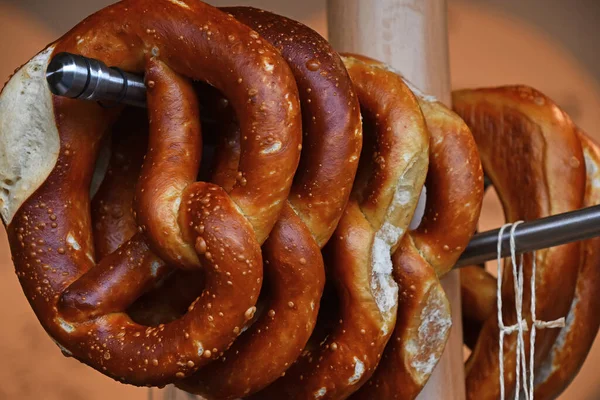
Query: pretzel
[427, 253]
[358, 257]
[519, 129]
[575, 340]
[293, 262]
[455, 194]
[45, 201]
[569, 351]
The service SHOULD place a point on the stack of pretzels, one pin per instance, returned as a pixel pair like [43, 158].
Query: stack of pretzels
[248, 235]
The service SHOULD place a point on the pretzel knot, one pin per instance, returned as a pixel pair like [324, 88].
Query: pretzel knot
[80, 299]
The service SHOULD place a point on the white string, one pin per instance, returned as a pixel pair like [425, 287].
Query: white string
[521, 325]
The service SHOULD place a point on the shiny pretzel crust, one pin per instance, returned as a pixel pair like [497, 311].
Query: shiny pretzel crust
[529, 148]
[50, 234]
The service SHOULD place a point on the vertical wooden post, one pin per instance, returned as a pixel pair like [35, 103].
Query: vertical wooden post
[412, 37]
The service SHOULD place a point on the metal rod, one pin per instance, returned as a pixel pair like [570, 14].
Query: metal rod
[78, 77]
[534, 235]
[83, 78]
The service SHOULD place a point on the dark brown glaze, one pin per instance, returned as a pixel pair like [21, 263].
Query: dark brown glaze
[171, 164]
[248, 71]
[454, 189]
[293, 263]
[529, 148]
[575, 340]
[361, 247]
[330, 119]
[50, 235]
[114, 224]
[454, 184]
[295, 278]
[125, 273]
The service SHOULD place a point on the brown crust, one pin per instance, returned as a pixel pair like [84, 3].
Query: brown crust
[478, 293]
[199, 42]
[347, 357]
[529, 149]
[576, 338]
[454, 189]
[257, 82]
[171, 164]
[454, 198]
[293, 262]
[295, 277]
[324, 86]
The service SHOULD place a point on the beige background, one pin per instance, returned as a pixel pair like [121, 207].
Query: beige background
[549, 44]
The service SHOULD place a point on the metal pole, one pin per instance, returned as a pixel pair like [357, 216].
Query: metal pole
[534, 235]
[79, 77]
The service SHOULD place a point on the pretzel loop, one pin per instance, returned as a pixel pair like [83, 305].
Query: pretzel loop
[50, 230]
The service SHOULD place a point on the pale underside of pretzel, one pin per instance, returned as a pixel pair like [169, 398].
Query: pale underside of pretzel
[529, 148]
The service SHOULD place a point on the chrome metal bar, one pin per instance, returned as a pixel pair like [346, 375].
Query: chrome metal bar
[534, 235]
[78, 77]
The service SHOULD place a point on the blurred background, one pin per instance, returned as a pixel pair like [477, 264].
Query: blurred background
[551, 45]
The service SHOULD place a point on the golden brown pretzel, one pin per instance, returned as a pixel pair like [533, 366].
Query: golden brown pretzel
[392, 171]
[574, 341]
[46, 206]
[294, 271]
[454, 197]
[529, 149]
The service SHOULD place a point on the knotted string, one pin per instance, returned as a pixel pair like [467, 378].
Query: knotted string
[521, 326]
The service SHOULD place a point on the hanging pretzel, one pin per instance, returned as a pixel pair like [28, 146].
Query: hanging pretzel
[529, 148]
[454, 198]
[389, 181]
[569, 351]
[293, 263]
[575, 340]
[46, 199]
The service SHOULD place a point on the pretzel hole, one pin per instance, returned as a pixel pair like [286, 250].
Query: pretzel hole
[169, 299]
[420, 210]
[219, 121]
[102, 163]
[329, 316]
[369, 159]
[492, 216]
